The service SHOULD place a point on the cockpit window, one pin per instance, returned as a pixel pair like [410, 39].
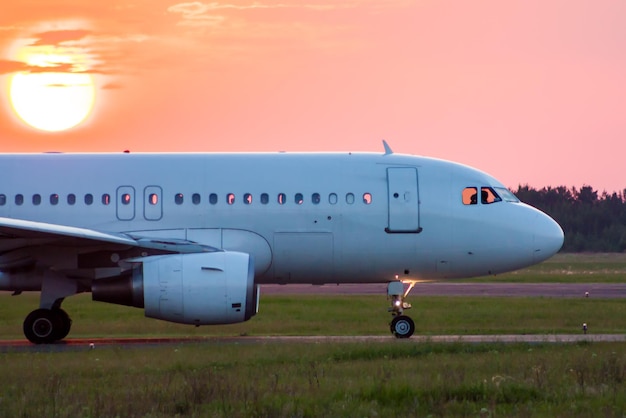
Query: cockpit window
[469, 196]
[506, 195]
[488, 196]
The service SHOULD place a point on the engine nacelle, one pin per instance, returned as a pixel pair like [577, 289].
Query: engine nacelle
[199, 289]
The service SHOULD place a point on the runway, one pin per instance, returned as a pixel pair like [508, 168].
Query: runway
[85, 344]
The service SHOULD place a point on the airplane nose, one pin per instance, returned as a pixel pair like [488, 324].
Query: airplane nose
[547, 238]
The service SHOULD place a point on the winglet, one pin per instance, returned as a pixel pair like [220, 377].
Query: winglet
[388, 150]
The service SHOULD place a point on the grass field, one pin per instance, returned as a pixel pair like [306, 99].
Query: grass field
[326, 380]
[341, 315]
[569, 268]
[397, 378]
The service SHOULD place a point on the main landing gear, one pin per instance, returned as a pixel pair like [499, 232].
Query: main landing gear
[50, 323]
[45, 326]
[401, 325]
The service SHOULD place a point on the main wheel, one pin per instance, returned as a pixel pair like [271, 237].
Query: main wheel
[402, 326]
[43, 326]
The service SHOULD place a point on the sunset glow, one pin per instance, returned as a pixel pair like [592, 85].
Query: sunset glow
[529, 91]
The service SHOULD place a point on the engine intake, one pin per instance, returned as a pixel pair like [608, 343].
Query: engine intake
[199, 289]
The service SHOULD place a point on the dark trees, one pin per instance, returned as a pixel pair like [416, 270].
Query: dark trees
[591, 222]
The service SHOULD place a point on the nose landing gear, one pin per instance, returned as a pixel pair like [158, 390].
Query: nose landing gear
[401, 326]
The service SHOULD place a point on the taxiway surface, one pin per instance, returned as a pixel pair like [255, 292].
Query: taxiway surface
[556, 290]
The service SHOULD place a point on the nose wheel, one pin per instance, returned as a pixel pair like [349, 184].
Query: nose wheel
[401, 325]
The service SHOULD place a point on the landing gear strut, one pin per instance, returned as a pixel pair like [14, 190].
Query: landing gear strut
[401, 325]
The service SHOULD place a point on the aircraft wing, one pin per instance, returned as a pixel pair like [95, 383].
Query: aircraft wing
[21, 229]
[16, 233]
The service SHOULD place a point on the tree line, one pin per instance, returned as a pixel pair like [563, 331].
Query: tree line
[591, 221]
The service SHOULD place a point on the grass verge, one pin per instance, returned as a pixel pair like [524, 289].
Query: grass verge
[341, 315]
[298, 380]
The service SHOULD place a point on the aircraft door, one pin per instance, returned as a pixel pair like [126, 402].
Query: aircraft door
[403, 198]
[125, 203]
[152, 203]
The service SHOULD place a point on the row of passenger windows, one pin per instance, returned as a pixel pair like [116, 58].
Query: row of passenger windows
[196, 199]
[264, 198]
[54, 199]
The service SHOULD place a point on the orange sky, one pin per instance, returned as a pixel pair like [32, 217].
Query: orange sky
[531, 91]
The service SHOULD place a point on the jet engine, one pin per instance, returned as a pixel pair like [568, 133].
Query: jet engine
[198, 289]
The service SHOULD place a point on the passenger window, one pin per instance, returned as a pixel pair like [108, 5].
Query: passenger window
[299, 199]
[3, 199]
[195, 199]
[470, 196]
[106, 199]
[213, 198]
[247, 198]
[282, 198]
[488, 196]
[153, 199]
[88, 199]
[230, 198]
[332, 198]
[350, 198]
[265, 198]
[36, 199]
[125, 199]
[54, 199]
[178, 198]
[71, 199]
[19, 199]
[367, 198]
[316, 198]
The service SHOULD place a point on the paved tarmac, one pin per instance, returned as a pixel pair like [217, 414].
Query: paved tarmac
[554, 290]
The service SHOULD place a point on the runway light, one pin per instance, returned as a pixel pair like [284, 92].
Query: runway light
[586, 294]
[92, 346]
[584, 327]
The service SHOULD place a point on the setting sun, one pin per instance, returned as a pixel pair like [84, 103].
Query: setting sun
[52, 101]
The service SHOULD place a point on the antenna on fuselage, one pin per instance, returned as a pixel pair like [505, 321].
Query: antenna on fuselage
[388, 150]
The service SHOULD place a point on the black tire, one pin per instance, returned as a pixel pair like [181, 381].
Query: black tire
[42, 326]
[66, 323]
[402, 326]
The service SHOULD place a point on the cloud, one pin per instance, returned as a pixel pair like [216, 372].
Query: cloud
[9, 66]
[57, 37]
[68, 85]
[204, 14]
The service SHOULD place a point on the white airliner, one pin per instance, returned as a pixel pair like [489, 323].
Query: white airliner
[189, 237]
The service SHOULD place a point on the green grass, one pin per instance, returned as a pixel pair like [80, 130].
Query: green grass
[341, 315]
[568, 268]
[300, 380]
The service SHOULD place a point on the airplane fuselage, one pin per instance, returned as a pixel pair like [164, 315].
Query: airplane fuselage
[305, 218]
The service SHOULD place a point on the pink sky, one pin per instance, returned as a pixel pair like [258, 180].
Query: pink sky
[531, 91]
